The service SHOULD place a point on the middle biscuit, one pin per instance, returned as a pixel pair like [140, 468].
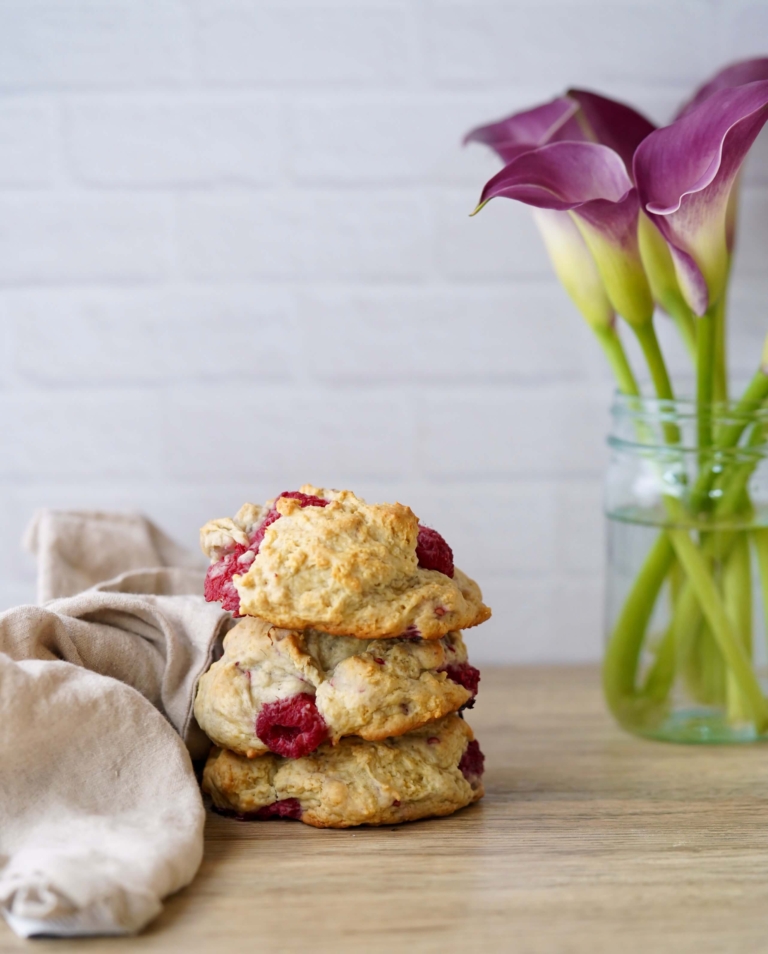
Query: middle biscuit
[287, 691]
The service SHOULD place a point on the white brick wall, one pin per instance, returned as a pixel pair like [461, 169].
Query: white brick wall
[235, 255]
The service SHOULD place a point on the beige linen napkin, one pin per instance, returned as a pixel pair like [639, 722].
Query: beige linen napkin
[100, 812]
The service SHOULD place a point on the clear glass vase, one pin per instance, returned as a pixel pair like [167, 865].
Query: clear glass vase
[687, 586]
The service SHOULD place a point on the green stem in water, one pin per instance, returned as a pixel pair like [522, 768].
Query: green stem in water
[623, 650]
[728, 436]
[737, 592]
[760, 540]
[614, 351]
[714, 610]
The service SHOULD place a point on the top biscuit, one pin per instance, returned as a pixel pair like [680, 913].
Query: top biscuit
[327, 560]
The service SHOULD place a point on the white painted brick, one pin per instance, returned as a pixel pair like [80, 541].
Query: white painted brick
[173, 141]
[27, 143]
[550, 431]
[495, 528]
[243, 41]
[752, 235]
[580, 534]
[570, 44]
[293, 437]
[500, 242]
[537, 621]
[65, 239]
[748, 324]
[755, 169]
[441, 334]
[67, 435]
[91, 43]
[403, 138]
[180, 509]
[744, 31]
[114, 337]
[521, 626]
[304, 234]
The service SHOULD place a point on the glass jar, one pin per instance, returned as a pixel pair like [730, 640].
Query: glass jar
[687, 585]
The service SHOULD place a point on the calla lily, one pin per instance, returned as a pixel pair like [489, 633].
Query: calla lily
[580, 116]
[531, 128]
[591, 182]
[737, 74]
[685, 173]
[665, 288]
[611, 124]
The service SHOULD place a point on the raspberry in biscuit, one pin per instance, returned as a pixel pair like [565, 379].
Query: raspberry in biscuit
[327, 560]
[432, 771]
[283, 690]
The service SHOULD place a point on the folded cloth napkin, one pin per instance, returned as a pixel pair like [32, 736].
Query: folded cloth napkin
[100, 812]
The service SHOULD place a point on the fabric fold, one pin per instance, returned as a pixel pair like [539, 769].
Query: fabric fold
[100, 811]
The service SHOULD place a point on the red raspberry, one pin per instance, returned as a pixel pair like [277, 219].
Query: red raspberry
[219, 587]
[285, 808]
[291, 727]
[472, 763]
[464, 674]
[433, 552]
[307, 500]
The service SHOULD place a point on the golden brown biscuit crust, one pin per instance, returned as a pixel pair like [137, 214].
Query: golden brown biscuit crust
[355, 783]
[373, 689]
[348, 569]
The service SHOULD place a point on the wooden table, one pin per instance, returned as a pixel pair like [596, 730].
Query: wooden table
[587, 840]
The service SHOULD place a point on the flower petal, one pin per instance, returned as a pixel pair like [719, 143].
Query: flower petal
[561, 176]
[590, 181]
[737, 74]
[612, 123]
[684, 174]
[531, 128]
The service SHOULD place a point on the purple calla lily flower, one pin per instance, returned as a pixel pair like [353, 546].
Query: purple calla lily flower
[584, 117]
[531, 128]
[737, 74]
[580, 116]
[591, 182]
[611, 123]
[685, 173]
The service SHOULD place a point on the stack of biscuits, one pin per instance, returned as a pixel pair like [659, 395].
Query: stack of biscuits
[338, 698]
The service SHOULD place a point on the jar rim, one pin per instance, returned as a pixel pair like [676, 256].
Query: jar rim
[685, 408]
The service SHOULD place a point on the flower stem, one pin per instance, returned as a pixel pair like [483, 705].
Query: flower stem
[760, 540]
[705, 340]
[617, 358]
[646, 335]
[720, 375]
[686, 327]
[623, 650]
[737, 592]
[712, 605]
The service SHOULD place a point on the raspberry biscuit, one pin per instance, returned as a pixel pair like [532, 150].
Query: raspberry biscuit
[433, 771]
[327, 560]
[287, 692]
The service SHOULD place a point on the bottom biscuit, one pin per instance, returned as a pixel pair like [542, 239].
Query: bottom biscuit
[432, 771]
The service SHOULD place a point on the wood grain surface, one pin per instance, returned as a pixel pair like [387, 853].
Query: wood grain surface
[588, 840]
